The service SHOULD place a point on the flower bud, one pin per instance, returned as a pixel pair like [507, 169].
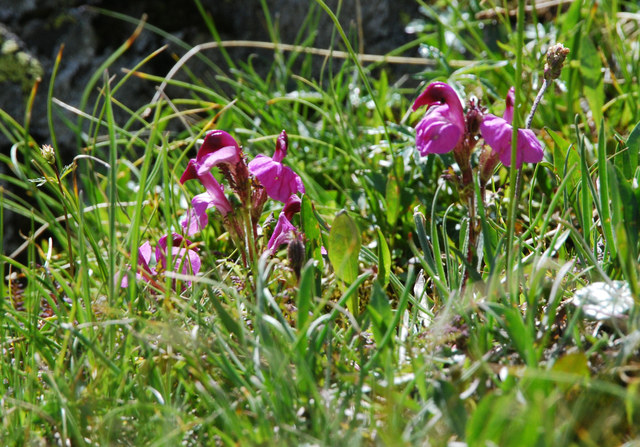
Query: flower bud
[48, 153]
[295, 253]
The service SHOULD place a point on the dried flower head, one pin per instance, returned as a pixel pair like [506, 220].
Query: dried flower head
[556, 55]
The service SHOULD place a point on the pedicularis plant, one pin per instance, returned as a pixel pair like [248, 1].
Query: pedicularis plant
[177, 290]
[447, 127]
[252, 184]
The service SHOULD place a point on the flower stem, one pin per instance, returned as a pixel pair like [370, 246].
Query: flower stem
[515, 172]
[534, 107]
[66, 222]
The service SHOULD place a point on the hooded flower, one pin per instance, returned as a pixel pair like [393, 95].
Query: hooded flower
[285, 231]
[497, 133]
[186, 260]
[144, 258]
[279, 181]
[443, 127]
[218, 148]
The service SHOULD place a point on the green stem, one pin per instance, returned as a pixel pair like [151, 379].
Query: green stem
[66, 222]
[514, 172]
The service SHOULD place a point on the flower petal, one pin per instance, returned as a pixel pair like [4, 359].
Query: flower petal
[281, 233]
[227, 154]
[437, 133]
[497, 133]
[215, 140]
[278, 180]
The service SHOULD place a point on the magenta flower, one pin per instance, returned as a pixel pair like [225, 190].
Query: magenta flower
[285, 231]
[217, 149]
[497, 133]
[185, 259]
[278, 180]
[144, 258]
[443, 127]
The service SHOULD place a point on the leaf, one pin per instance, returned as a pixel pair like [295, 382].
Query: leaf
[311, 229]
[392, 198]
[344, 247]
[564, 156]
[384, 260]
[306, 293]
[449, 402]
[379, 310]
[593, 81]
[633, 148]
[519, 335]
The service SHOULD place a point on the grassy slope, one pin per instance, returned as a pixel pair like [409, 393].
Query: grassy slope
[381, 359]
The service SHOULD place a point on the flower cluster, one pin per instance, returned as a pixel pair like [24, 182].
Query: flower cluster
[251, 183]
[446, 128]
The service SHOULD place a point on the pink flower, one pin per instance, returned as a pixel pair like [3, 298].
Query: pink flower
[278, 180]
[185, 259]
[144, 257]
[285, 231]
[218, 148]
[443, 127]
[497, 133]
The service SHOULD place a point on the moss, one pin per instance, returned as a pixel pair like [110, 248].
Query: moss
[16, 65]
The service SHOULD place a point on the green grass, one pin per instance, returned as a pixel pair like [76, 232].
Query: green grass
[394, 338]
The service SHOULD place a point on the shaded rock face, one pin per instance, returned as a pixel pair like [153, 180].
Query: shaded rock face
[33, 31]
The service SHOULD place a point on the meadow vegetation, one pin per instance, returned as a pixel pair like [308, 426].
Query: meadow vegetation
[195, 276]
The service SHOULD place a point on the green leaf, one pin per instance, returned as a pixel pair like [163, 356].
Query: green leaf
[379, 310]
[563, 152]
[306, 293]
[311, 229]
[575, 363]
[384, 260]
[344, 247]
[230, 324]
[605, 196]
[392, 198]
[519, 334]
[593, 81]
[449, 402]
[633, 148]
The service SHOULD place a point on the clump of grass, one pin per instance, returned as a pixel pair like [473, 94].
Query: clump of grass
[395, 336]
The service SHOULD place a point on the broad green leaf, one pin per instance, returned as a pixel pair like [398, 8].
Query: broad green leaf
[575, 363]
[379, 310]
[344, 247]
[449, 402]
